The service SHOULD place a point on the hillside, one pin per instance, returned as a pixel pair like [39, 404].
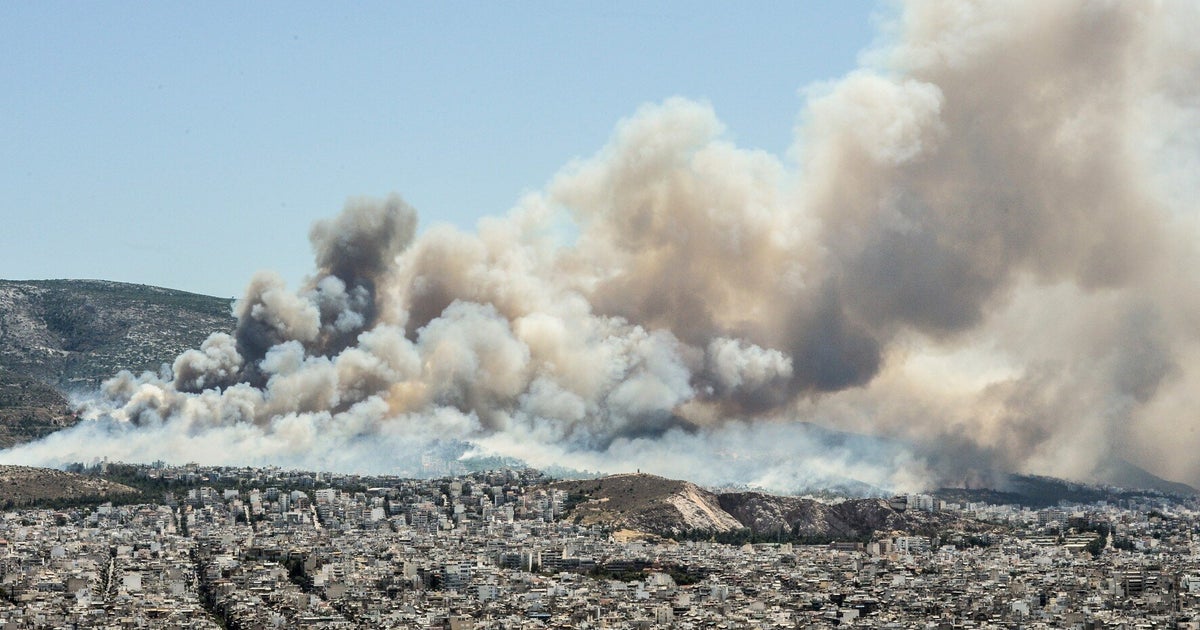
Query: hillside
[1125, 474]
[59, 336]
[23, 485]
[646, 503]
[806, 519]
[73, 334]
[29, 409]
[675, 509]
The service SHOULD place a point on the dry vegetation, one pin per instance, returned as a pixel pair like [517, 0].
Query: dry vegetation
[69, 335]
[23, 485]
[73, 334]
[29, 409]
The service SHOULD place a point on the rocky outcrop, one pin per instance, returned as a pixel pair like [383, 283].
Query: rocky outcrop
[671, 508]
[647, 503]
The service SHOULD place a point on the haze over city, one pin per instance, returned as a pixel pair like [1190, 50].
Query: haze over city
[977, 247]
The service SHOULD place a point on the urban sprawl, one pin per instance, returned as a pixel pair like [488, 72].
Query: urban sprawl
[269, 548]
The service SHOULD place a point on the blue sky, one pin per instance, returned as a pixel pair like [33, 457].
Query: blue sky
[189, 145]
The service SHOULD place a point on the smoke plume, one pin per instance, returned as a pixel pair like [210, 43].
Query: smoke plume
[982, 251]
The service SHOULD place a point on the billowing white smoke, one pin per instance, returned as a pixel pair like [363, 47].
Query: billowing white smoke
[987, 251]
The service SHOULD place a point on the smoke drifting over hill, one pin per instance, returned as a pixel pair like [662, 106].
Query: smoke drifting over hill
[985, 248]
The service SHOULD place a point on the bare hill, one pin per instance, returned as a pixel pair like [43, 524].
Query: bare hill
[23, 485]
[666, 507]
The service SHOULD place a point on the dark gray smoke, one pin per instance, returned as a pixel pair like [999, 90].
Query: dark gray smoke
[985, 249]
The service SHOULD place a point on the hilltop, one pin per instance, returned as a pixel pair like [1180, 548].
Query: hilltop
[59, 336]
[648, 504]
[29, 409]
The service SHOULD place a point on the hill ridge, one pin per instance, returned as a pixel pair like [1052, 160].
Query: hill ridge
[673, 508]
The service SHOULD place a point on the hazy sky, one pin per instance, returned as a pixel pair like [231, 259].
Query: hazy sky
[189, 145]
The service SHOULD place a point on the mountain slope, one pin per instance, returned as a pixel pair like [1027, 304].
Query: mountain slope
[1123, 474]
[1035, 491]
[73, 334]
[29, 409]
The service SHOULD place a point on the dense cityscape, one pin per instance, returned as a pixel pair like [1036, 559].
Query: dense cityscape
[267, 548]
